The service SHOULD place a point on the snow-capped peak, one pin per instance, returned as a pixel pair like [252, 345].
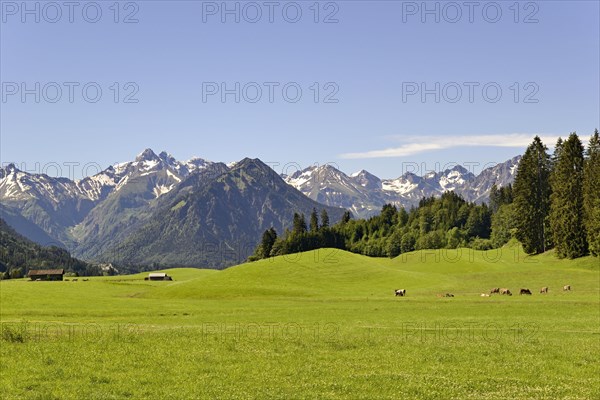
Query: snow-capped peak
[365, 193]
[164, 170]
[147, 155]
[168, 159]
[366, 179]
[195, 163]
[11, 168]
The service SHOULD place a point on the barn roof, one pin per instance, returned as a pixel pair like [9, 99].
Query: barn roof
[157, 274]
[46, 272]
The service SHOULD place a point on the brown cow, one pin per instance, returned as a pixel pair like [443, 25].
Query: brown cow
[544, 289]
[495, 290]
[525, 291]
[567, 288]
[505, 291]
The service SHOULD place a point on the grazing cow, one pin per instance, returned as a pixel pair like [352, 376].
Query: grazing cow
[525, 291]
[544, 289]
[505, 291]
[495, 290]
[567, 288]
[400, 292]
[449, 295]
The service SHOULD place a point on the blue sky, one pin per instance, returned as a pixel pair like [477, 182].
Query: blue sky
[375, 61]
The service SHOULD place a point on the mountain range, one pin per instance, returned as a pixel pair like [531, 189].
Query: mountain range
[364, 194]
[157, 211]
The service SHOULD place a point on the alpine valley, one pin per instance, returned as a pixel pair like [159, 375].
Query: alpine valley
[158, 211]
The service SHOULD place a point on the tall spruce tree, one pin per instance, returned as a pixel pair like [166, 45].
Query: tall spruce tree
[531, 193]
[299, 224]
[494, 198]
[500, 196]
[591, 194]
[566, 201]
[314, 221]
[557, 150]
[553, 162]
[324, 219]
[346, 217]
[269, 238]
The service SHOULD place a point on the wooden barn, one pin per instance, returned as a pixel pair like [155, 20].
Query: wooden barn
[46, 274]
[158, 276]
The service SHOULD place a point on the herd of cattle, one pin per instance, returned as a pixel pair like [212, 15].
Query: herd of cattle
[507, 292]
[503, 291]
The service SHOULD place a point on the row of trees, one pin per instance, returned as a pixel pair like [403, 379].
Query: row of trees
[302, 237]
[445, 222]
[554, 203]
[557, 198]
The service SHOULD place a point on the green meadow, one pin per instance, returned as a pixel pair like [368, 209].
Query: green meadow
[318, 325]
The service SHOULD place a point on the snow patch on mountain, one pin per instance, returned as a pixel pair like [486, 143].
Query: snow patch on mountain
[299, 178]
[513, 169]
[400, 186]
[172, 175]
[148, 165]
[162, 189]
[122, 183]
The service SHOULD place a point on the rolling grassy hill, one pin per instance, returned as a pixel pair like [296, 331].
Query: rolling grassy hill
[321, 324]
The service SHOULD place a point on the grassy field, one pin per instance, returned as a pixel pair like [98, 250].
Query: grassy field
[322, 324]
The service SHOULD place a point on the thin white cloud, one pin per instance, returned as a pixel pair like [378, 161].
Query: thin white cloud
[421, 144]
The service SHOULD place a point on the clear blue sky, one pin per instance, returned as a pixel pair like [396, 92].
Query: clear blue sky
[372, 54]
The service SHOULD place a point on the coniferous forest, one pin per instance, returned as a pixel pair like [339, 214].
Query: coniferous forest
[554, 203]
[18, 255]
